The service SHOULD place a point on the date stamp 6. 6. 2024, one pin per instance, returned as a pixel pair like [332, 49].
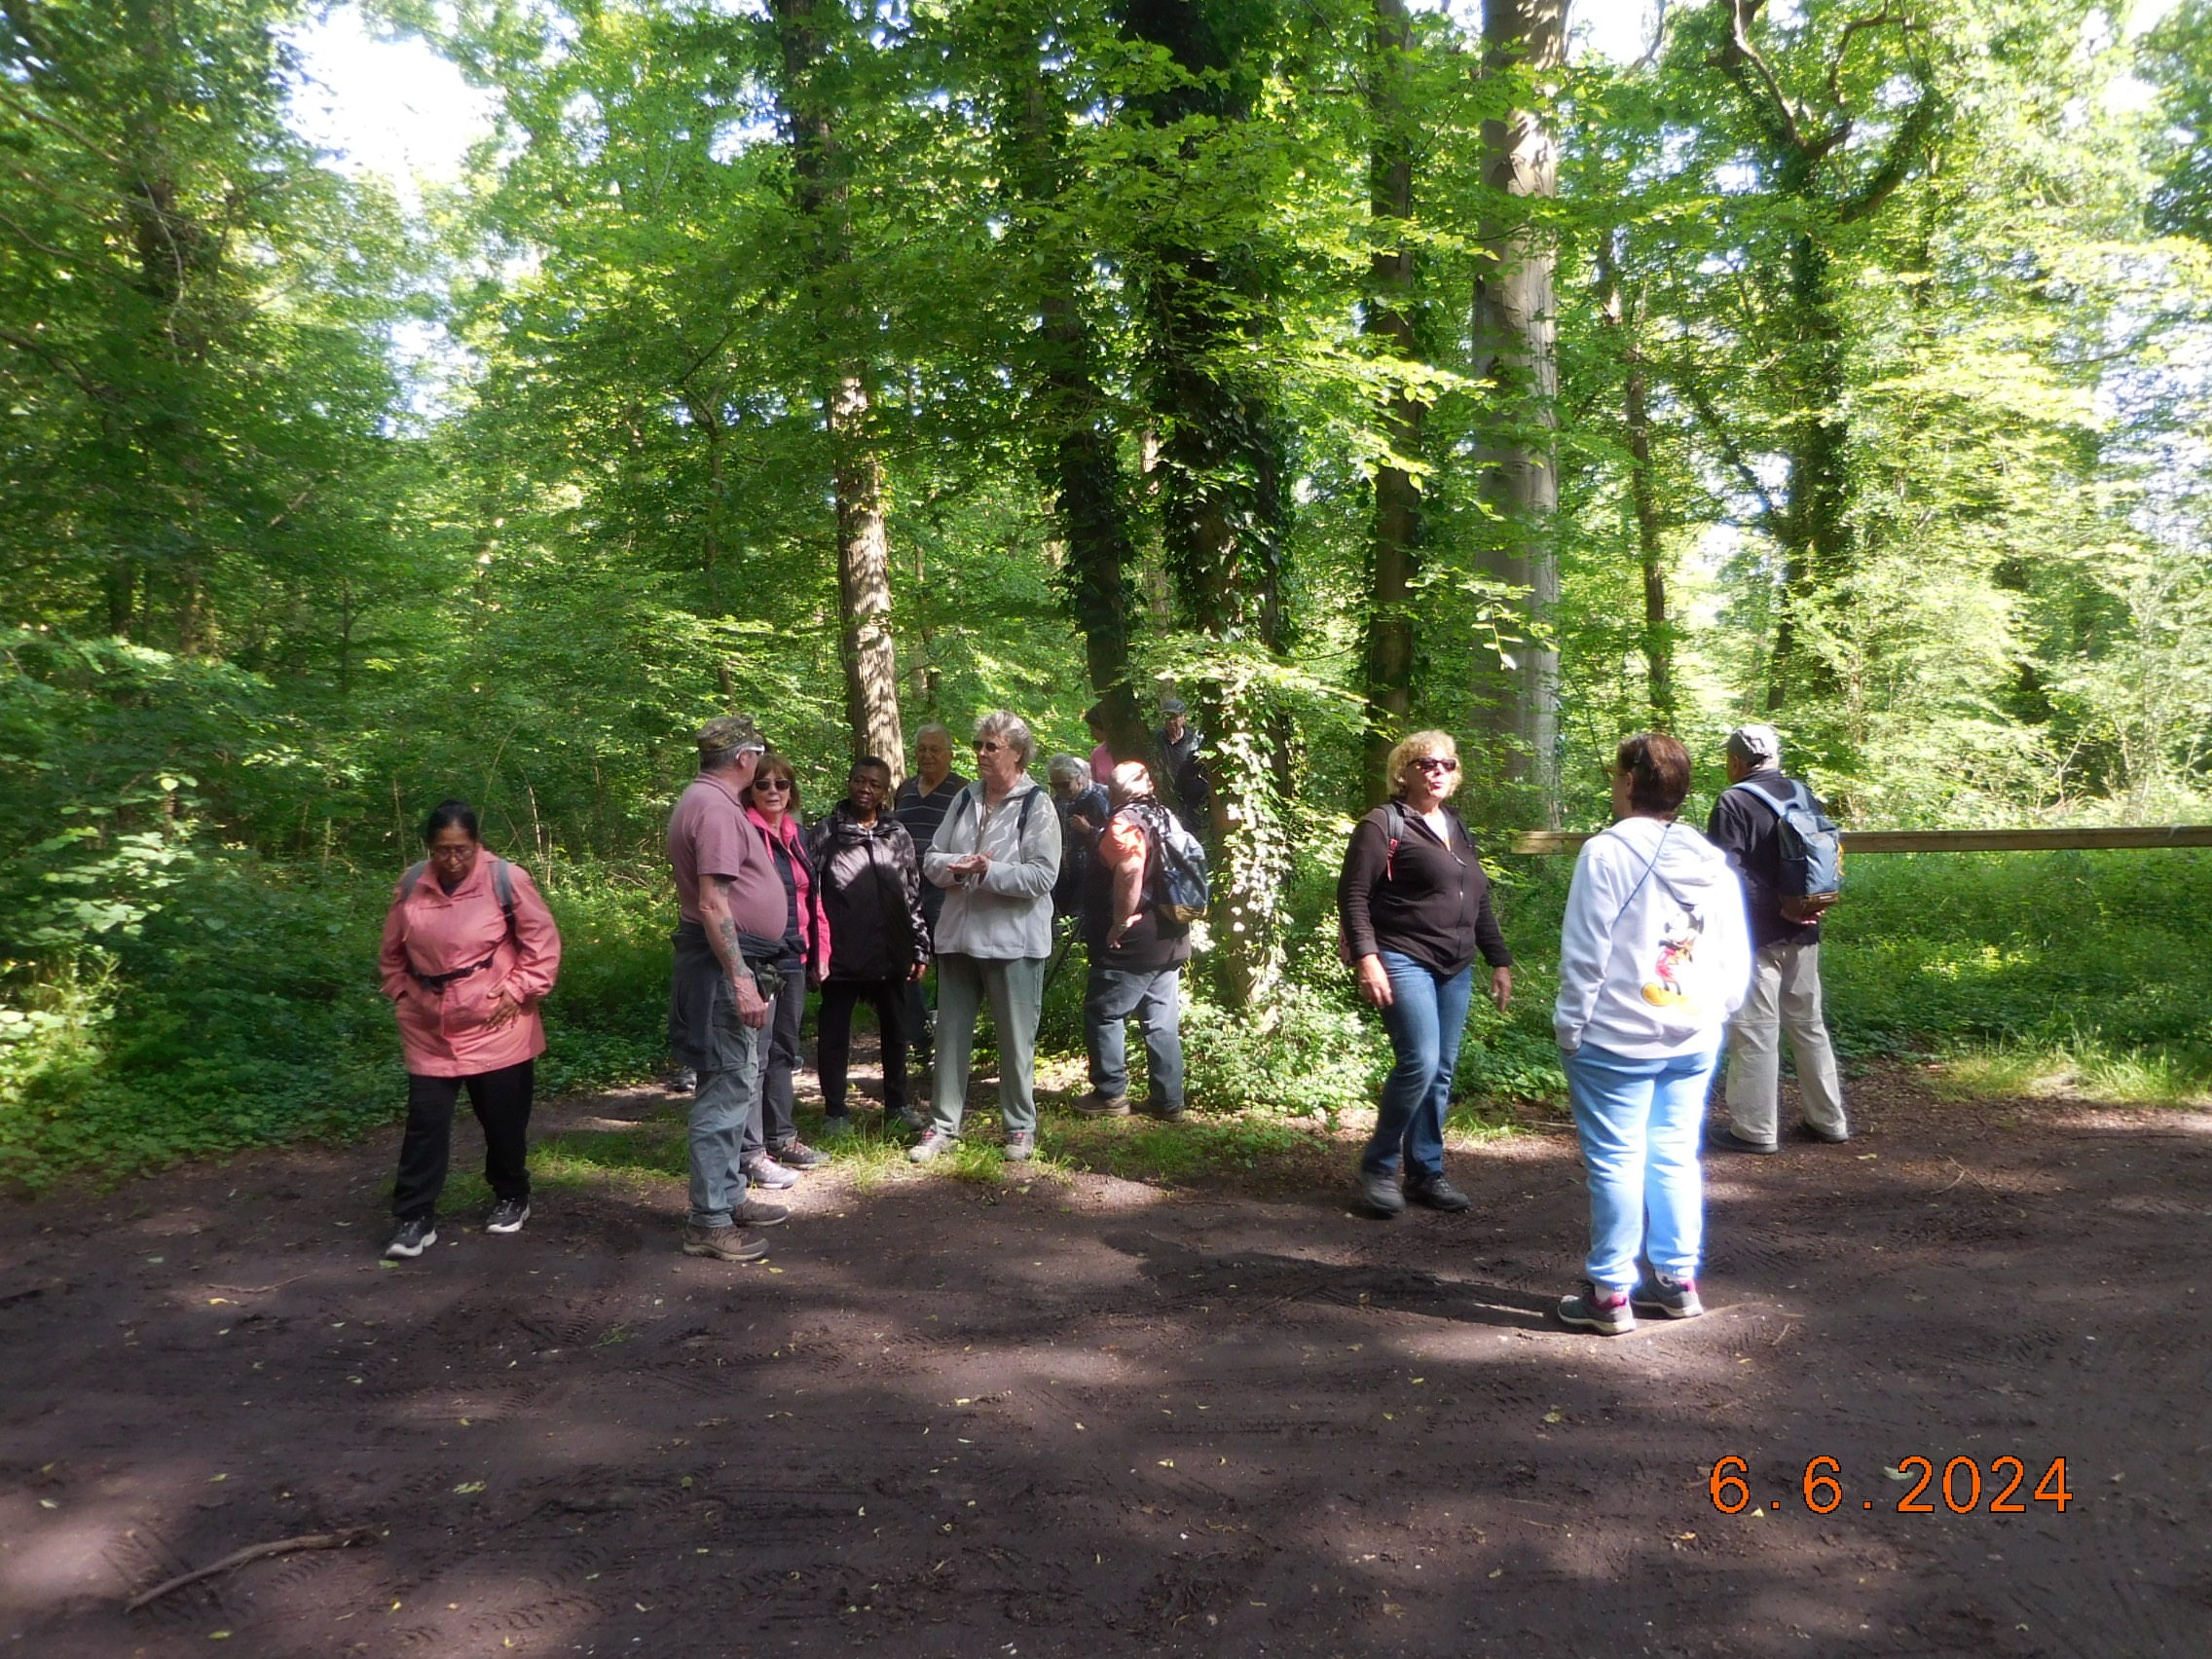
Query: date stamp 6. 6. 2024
[1915, 1486]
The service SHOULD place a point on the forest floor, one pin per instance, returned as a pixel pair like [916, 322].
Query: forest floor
[1052, 1414]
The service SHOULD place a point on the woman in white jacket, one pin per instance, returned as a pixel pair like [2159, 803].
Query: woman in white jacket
[996, 855]
[1654, 956]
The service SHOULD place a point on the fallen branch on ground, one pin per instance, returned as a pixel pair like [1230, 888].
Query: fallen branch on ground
[253, 1552]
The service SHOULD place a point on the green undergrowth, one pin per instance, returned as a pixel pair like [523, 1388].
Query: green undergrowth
[242, 1010]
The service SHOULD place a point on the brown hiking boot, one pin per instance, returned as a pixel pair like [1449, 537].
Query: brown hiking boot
[724, 1243]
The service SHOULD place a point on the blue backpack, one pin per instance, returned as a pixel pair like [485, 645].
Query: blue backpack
[1175, 880]
[1811, 849]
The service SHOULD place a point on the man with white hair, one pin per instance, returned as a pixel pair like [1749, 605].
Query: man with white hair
[1785, 976]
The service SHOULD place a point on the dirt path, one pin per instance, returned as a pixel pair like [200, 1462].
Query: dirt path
[1092, 1418]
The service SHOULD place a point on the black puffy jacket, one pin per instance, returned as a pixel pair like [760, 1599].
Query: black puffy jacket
[870, 883]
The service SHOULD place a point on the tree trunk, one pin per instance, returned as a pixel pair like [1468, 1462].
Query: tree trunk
[864, 556]
[1658, 639]
[1397, 525]
[864, 584]
[1515, 332]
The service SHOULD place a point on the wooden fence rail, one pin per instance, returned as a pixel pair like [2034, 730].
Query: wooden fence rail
[2125, 836]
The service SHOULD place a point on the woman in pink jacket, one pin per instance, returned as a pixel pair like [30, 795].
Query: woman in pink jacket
[469, 951]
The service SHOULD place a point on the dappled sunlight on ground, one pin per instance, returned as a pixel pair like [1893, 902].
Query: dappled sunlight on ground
[1045, 1411]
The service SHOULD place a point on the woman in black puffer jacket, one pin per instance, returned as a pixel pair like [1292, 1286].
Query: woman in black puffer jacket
[870, 883]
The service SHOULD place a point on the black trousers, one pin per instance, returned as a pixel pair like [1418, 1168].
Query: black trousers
[502, 1100]
[774, 1103]
[834, 1040]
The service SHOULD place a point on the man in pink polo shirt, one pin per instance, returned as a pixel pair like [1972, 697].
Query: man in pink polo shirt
[731, 911]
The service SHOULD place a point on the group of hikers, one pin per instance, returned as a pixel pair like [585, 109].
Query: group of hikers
[1675, 945]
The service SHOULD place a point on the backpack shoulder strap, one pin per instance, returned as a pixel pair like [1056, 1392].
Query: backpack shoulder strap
[408, 878]
[503, 884]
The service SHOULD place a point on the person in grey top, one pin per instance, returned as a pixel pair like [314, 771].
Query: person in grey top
[995, 856]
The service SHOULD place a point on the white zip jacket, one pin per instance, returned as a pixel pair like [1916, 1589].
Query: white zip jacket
[1655, 953]
[1007, 912]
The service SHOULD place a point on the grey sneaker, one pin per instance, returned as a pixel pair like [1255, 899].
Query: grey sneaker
[932, 1144]
[507, 1216]
[754, 1213]
[765, 1171]
[1607, 1313]
[1097, 1105]
[795, 1153]
[1667, 1296]
[723, 1243]
[837, 1125]
[910, 1117]
[1020, 1145]
[416, 1234]
[1380, 1188]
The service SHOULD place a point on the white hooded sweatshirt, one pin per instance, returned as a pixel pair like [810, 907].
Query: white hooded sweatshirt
[1655, 953]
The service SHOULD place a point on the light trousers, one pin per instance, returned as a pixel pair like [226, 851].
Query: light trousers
[1786, 998]
[1640, 1123]
[1016, 988]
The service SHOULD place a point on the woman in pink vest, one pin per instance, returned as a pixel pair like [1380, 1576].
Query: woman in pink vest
[469, 951]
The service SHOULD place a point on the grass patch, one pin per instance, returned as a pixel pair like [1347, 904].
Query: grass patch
[2084, 1071]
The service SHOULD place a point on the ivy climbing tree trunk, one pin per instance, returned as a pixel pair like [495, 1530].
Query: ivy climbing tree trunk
[1515, 331]
[1078, 458]
[1389, 320]
[1829, 186]
[1206, 302]
[821, 186]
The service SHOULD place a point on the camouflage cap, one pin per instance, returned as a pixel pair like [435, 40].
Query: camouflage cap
[724, 735]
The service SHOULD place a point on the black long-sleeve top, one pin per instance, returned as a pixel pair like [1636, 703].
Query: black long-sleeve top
[1747, 832]
[1422, 898]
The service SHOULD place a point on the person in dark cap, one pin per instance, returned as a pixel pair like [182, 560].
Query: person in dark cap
[1785, 978]
[1179, 746]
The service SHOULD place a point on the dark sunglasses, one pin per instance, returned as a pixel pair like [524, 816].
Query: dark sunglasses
[781, 785]
[1434, 763]
[987, 747]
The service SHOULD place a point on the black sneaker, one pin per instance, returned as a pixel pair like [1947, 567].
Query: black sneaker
[1724, 1138]
[1826, 1137]
[795, 1153]
[1610, 1315]
[416, 1234]
[1667, 1296]
[1437, 1193]
[507, 1216]
[1380, 1188]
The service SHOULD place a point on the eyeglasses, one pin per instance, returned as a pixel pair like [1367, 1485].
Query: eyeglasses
[988, 747]
[1434, 763]
[782, 785]
[453, 855]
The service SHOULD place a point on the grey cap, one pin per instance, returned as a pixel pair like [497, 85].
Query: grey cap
[726, 734]
[1173, 705]
[1758, 744]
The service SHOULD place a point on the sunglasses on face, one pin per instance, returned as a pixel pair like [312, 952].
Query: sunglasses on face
[987, 747]
[1435, 764]
[779, 785]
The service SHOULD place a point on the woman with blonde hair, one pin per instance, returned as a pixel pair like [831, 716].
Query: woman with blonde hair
[1413, 911]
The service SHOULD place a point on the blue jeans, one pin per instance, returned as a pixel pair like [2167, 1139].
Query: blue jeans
[1114, 996]
[1427, 1018]
[730, 1086]
[1638, 1121]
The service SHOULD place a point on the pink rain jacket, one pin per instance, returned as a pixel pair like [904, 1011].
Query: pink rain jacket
[813, 919]
[442, 1030]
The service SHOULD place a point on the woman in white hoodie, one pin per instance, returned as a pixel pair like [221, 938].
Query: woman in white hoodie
[1654, 956]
